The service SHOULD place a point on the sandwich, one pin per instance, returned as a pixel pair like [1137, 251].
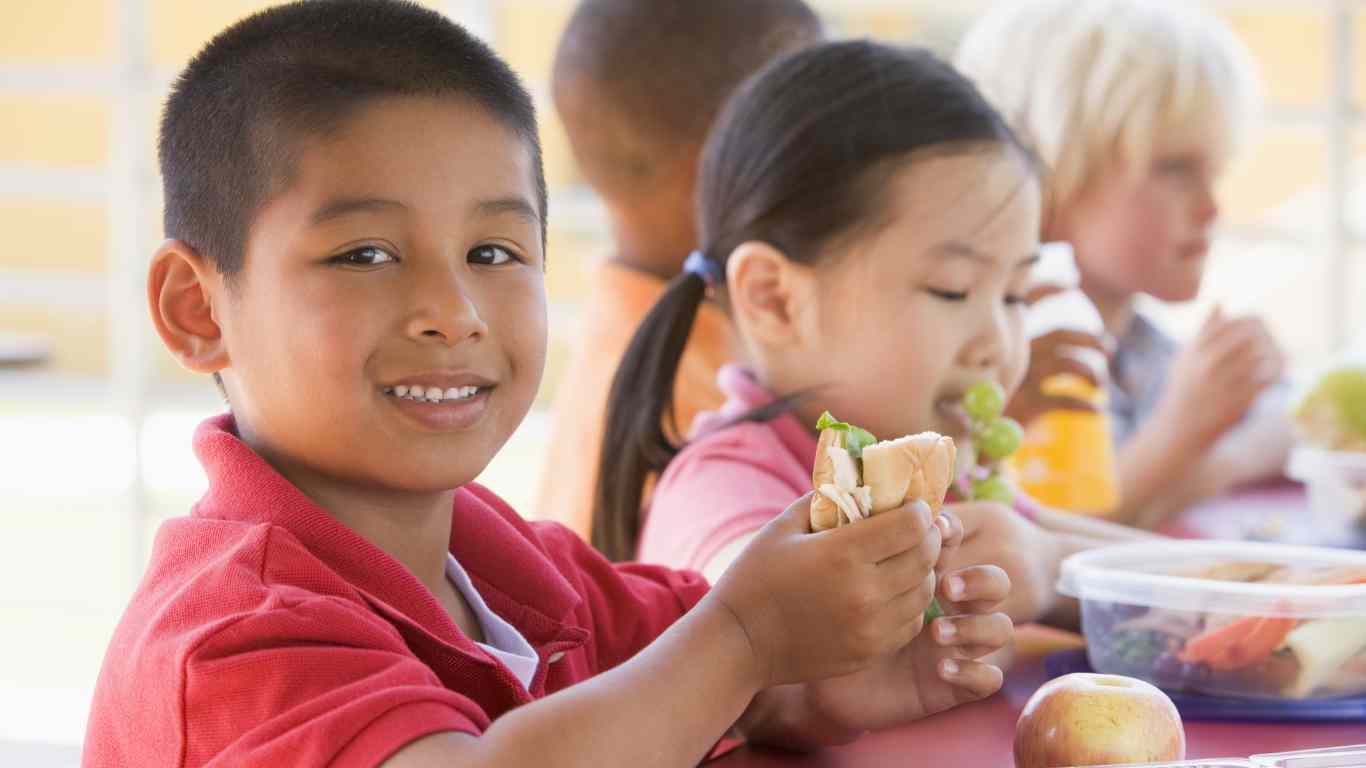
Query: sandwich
[856, 476]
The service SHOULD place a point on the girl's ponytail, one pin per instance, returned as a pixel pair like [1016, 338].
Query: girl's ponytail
[635, 443]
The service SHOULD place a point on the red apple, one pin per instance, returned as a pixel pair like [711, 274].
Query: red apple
[1087, 719]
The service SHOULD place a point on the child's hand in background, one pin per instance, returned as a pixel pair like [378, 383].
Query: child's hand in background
[1218, 375]
[819, 605]
[1048, 357]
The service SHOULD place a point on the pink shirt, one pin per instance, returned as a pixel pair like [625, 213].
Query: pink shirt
[728, 482]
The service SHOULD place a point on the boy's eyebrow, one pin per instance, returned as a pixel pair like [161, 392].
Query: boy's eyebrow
[344, 206]
[514, 204]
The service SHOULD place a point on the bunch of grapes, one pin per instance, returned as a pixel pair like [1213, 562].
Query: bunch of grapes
[994, 439]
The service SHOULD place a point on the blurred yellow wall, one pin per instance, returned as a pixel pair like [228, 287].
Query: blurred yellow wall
[57, 128]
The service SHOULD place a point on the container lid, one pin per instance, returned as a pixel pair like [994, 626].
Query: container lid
[1332, 757]
[1310, 463]
[1141, 574]
[1210, 763]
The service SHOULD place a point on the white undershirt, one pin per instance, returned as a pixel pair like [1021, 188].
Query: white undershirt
[505, 643]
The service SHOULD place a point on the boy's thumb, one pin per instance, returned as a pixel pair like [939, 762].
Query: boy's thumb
[797, 517]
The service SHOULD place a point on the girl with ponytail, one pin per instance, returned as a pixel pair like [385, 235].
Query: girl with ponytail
[868, 223]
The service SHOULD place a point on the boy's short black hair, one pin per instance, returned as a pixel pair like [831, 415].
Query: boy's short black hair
[634, 79]
[236, 114]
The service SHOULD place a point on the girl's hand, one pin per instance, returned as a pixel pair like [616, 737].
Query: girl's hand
[994, 534]
[938, 670]
[819, 605]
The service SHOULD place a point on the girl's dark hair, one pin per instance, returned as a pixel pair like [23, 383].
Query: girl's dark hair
[799, 158]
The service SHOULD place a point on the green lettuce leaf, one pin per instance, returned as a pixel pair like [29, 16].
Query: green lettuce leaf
[855, 438]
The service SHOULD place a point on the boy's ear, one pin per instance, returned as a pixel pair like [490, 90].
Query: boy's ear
[181, 287]
[767, 293]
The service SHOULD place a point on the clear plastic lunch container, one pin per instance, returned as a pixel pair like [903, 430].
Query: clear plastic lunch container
[1215, 763]
[1336, 481]
[1333, 757]
[1218, 762]
[1225, 618]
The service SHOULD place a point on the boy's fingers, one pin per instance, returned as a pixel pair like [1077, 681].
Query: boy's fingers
[890, 533]
[991, 631]
[906, 572]
[950, 530]
[796, 518]
[1070, 404]
[912, 604]
[1057, 364]
[1068, 338]
[988, 584]
[972, 680]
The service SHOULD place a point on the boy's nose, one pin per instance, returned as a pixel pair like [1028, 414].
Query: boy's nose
[446, 314]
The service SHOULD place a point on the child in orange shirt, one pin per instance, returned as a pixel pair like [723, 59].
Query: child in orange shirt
[637, 84]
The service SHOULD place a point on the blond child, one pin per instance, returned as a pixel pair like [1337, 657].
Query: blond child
[1136, 108]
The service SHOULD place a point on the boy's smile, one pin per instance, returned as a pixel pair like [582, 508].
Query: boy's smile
[388, 329]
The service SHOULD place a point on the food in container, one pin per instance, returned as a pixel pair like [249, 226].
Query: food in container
[1225, 618]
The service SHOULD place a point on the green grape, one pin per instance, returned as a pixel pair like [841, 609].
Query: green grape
[993, 488]
[984, 400]
[999, 439]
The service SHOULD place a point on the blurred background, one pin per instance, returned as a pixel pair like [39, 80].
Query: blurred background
[95, 418]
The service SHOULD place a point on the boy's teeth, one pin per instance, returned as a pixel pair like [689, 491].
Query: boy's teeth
[433, 394]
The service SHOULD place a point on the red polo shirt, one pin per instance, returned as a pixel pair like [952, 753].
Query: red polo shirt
[265, 632]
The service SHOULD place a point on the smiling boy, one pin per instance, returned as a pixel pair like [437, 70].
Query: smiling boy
[356, 209]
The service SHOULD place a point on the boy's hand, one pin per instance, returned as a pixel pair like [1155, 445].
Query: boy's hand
[1219, 374]
[994, 534]
[937, 671]
[819, 605]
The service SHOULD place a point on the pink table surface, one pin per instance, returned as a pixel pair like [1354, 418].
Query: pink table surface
[982, 734]
[1272, 512]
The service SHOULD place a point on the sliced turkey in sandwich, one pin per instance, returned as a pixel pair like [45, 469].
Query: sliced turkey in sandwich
[856, 476]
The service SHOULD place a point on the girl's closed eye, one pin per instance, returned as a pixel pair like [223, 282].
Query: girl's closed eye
[367, 256]
[1013, 298]
[947, 295]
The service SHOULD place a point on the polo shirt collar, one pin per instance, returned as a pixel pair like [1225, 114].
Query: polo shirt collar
[515, 577]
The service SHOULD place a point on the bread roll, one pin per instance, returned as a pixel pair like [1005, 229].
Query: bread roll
[913, 467]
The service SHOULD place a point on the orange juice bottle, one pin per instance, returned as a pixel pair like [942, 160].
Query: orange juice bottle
[1067, 460]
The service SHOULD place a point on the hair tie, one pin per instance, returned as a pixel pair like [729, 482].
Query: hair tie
[698, 264]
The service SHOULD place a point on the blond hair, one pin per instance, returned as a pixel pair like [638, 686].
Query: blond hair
[1094, 84]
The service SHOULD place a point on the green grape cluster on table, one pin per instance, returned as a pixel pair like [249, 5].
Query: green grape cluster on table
[994, 438]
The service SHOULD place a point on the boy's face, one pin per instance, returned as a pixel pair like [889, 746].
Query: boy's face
[406, 252]
[1146, 230]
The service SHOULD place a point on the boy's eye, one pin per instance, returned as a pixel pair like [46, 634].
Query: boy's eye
[948, 295]
[490, 255]
[1015, 301]
[367, 256]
